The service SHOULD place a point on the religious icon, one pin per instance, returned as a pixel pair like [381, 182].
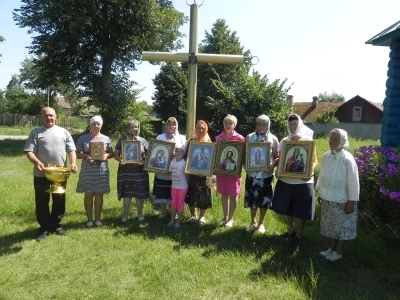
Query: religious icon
[200, 158]
[257, 156]
[131, 151]
[96, 150]
[229, 158]
[159, 156]
[296, 159]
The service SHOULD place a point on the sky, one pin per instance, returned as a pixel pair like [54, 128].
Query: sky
[318, 46]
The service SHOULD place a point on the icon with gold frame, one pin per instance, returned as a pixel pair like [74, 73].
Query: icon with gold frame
[159, 156]
[229, 158]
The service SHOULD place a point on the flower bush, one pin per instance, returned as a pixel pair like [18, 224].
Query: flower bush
[380, 183]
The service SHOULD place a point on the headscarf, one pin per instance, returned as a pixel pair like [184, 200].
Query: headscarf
[205, 137]
[98, 119]
[344, 140]
[302, 130]
[172, 119]
[263, 136]
[182, 147]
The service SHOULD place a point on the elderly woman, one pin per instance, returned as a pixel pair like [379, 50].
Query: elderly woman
[199, 192]
[338, 188]
[162, 182]
[94, 178]
[258, 188]
[295, 197]
[229, 187]
[132, 180]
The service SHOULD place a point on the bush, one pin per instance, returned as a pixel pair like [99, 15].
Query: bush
[380, 184]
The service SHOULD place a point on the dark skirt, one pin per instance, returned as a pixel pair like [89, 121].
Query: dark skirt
[162, 190]
[199, 192]
[132, 181]
[258, 192]
[296, 200]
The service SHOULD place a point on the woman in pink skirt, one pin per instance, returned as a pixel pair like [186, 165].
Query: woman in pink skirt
[229, 187]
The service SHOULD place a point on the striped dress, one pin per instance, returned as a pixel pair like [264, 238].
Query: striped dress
[94, 177]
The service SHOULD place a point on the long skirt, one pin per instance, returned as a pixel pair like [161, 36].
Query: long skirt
[296, 200]
[258, 192]
[335, 223]
[199, 192]
[162, 191]
[133, 182]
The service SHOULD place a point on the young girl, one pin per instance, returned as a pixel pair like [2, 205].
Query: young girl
[338, 187]
[229, 187]
[179, 186]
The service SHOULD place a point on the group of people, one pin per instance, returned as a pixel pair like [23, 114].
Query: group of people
[337, 185]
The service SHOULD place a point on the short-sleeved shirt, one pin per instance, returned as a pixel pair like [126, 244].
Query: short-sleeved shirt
[50, 146]
[178, 177]
[84, 140]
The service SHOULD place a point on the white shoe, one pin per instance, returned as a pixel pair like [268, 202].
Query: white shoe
[89, 224]
[98, 223]
[202, 220]
[229, 224]
[124, 219]
[326, 252]
[333, 256]
[251, 228]
[222, 223]
[261, 229]
[140, 218]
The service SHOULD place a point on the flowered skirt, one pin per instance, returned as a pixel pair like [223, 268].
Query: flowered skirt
[336, 223]
[199, 192]
[258, 192]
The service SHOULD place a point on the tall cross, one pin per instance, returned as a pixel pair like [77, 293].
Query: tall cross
[193, 58]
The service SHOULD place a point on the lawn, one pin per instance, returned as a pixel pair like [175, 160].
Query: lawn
[150, 261]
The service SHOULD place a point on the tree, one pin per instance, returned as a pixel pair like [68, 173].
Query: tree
[327, 117]
[2, 39]
[334, 97]
[224, 89]
[93, 43]
[170, 92]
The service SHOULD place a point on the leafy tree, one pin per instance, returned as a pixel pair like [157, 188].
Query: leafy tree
[2, 39]
[334, 97]
[94, 43]
[170, 94]
[327, 117]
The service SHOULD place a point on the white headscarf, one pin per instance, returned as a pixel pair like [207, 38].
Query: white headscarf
[344, 140]
[98, 119]
[302, 130]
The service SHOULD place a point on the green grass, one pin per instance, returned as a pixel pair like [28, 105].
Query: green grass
[151, 261]
[26, 130]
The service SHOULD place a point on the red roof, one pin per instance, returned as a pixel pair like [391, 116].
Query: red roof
[308, 112]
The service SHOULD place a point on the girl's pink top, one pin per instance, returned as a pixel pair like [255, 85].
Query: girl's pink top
[229, 185]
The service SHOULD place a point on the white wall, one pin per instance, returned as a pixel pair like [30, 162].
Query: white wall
[355, 130]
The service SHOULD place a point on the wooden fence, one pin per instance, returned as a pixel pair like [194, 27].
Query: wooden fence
[25, 120]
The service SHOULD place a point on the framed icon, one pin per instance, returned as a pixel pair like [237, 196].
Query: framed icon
[96, 150]
[159, 156]
[131, 152]
[296, 159]
[257, 156]
[229, 158]
[200, 158]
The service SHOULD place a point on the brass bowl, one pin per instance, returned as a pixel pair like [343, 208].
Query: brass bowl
[57, 175]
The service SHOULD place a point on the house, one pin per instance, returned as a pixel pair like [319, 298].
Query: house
[64, 105]
[308, 111]
[358, 109]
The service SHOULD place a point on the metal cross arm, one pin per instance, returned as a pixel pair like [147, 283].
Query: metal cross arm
[200, 57]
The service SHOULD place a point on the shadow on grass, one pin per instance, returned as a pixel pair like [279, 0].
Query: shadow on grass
[7, 242]
[12, 148]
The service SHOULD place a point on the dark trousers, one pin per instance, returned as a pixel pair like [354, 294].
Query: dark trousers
[48, 221]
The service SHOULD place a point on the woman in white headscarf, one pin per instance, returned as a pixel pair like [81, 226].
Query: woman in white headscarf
[295, 197]
[94, 178]
[338, 188]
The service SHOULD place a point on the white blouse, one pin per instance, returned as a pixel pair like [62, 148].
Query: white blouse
[338, 178]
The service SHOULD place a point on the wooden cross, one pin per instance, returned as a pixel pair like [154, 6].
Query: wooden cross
[193, 58]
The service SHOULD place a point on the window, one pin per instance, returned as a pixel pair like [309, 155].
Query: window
[356, 113]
